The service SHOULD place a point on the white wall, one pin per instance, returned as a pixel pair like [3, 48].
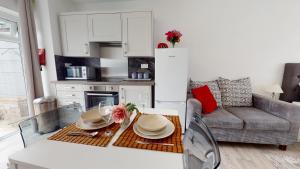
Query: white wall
[46, 15]
[9, 4]
[229, 38]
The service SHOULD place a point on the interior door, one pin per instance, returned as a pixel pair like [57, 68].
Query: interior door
[137, 34]
[74, 31]
[105, 27]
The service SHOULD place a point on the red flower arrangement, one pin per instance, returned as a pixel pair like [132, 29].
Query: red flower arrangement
[173, 37]
[162, 45]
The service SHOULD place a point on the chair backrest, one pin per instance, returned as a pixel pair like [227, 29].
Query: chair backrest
[41, 126]
[200, 149]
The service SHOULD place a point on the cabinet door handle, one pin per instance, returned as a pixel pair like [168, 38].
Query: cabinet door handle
[125, 46]
[86, 48]
[122, 93]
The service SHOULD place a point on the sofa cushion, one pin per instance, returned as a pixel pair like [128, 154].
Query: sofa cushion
[213, 87]
[235, 92]
[204, 95]
[256, 119]
[221, 118]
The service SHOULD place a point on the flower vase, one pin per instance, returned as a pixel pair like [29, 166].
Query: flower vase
[126, 121]
[173, 44]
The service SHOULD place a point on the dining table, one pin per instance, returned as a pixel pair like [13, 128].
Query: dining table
[63, 155]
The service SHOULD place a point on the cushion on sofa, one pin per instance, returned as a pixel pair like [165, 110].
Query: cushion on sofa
[221, 118]
[235, 92]
[204, 95]
[256, 119]
[213, 86]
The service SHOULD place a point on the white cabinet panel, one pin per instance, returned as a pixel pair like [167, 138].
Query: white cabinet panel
[137, 34]
[139, 95]
[69, 94]
[74, 32]
[69, 87]
[105, 27]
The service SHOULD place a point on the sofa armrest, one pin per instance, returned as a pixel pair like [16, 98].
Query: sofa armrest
[194, 110]
[285, 110]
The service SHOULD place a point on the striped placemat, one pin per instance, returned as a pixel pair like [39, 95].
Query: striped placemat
[100, 140]
[128, 139]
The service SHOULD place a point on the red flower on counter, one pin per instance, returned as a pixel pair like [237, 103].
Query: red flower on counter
[173, 37]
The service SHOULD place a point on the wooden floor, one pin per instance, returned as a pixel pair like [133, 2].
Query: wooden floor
[254, 156]
[233, 155]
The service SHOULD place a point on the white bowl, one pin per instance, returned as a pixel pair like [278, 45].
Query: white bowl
[152, 122]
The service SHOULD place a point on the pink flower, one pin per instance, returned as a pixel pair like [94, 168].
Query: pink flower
[119, 113]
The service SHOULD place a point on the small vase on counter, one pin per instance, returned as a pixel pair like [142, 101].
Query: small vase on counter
[122, 112]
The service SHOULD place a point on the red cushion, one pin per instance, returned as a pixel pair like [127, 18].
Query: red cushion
[204, 95]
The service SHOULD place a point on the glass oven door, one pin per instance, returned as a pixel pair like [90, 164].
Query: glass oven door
[93, 98]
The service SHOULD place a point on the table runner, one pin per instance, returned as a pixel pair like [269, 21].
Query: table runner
[100, 140]
[128, 138]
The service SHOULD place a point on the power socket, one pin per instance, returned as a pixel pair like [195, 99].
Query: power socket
[144, 66]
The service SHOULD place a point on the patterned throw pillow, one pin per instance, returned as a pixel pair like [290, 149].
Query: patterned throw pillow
[213, 87]
[236, 92]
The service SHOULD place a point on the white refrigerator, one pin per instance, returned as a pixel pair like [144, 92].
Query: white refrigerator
[171, 80]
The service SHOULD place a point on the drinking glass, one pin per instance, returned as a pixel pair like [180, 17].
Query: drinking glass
[105, 110]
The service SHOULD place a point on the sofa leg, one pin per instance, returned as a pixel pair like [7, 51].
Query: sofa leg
[283, 147]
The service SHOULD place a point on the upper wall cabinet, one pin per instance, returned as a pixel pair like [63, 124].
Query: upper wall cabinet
[137, 34]
[105, 27]
[80, 32]
[74, 35]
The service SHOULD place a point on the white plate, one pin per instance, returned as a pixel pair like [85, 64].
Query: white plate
[152, 122]
[86, 126]
[149, 133]
[169, 130]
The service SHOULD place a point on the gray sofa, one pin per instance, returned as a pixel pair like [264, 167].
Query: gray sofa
[269, 121]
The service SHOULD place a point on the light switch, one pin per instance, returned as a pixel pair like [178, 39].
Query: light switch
[144, 66]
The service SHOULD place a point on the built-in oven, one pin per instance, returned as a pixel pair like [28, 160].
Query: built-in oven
[99, 93]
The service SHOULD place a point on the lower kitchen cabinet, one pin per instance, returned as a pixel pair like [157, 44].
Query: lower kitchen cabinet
[67, 94]
[139, 95]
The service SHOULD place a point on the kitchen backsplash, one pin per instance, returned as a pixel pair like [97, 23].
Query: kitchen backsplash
[134, 65]
[76, 61]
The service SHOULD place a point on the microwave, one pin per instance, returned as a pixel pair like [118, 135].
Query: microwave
[80, 73]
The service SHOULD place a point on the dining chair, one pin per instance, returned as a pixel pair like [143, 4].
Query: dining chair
[200, 148]
[41, 126]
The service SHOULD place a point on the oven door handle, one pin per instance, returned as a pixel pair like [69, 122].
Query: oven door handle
[98, 94]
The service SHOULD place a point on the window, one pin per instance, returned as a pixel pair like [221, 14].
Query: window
[8, 30]
[13, 99]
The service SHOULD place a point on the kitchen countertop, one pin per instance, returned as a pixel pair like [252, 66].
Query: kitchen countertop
[107, 82]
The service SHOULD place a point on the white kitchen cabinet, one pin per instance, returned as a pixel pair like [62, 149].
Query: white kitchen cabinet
[67, 94]
[139, 95]
[105, 27]
[74, 36]
[137, 31]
